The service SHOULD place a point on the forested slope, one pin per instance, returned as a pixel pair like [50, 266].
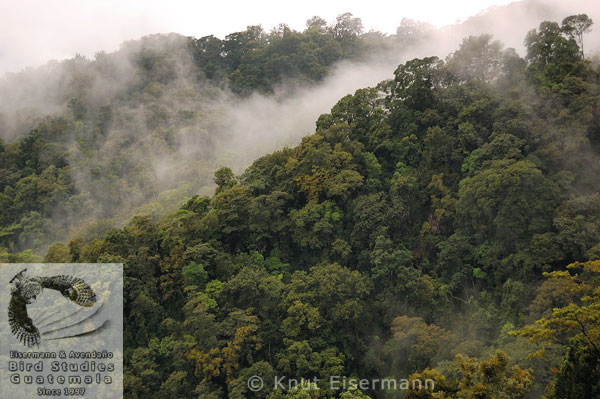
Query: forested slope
[87, 144]
[409, 234]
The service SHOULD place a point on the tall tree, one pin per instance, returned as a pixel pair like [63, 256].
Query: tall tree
[575, 26]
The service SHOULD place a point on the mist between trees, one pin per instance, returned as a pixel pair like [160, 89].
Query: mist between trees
[441, 223]
[142, 129]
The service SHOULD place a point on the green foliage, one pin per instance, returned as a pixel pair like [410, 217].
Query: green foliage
[492, 378]
[572, 327]
[550, 54]
[575, 26]
[478, 58]
[256, 60]
[140, 130]
[413, 225]
[194, 274]
[224, 179]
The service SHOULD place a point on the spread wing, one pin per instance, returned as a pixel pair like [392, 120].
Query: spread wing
[20, 323]
[73, 288]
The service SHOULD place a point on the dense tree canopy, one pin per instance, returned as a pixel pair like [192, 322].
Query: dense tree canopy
[424, 220]
[142, 129]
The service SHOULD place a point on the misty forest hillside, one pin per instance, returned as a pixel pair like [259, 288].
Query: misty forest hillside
[87, 144]
[444, 224]
[140, 130]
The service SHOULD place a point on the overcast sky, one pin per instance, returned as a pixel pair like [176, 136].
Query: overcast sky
[35, 31]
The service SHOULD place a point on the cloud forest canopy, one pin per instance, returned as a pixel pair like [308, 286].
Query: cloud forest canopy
[444, 224]
[142, 129]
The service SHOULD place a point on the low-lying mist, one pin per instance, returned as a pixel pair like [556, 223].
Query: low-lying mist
[156, 138]
[259, 124]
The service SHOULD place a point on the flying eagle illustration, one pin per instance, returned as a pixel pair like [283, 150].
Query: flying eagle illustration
[25, 290]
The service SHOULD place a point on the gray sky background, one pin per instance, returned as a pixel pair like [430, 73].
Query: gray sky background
[33, 32]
